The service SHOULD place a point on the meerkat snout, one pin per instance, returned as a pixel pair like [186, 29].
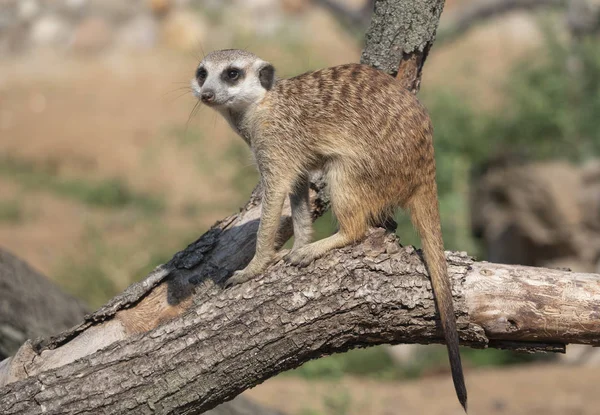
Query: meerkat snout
[207, 96]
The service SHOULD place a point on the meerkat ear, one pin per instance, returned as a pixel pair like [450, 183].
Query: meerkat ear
[266, 75]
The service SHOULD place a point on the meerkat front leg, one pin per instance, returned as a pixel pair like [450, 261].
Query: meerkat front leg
[275, 190]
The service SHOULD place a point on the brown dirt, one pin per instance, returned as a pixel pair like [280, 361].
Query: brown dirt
[524, 390]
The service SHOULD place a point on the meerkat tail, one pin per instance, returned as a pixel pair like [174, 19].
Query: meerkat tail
[426, 219]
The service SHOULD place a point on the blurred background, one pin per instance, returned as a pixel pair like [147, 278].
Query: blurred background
[105, 172]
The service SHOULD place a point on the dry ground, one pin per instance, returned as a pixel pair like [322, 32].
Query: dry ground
[530, 390]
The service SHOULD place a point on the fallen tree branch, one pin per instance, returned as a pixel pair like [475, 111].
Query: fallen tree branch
[229, 340]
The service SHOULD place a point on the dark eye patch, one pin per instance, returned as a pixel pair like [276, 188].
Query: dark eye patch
[201, 74]
[232, 75]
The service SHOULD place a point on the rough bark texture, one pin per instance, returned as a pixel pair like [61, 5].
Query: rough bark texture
[400, 36]
[30, 305]
[177, 342]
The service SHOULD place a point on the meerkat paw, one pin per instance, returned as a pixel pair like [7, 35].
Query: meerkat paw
[240, 277]
[301, 257]
[253, 269]
[281, 255]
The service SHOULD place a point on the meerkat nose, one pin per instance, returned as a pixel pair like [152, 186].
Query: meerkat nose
[207, 96]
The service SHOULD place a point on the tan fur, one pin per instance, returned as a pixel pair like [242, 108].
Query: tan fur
[374, 142]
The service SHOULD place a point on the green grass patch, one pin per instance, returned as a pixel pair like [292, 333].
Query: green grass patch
[86, 280]
[105, 193]
[375, 362]
[246, 175]
[371, 362]
[11, 211]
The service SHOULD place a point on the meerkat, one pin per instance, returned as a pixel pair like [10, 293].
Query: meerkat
[370, 136]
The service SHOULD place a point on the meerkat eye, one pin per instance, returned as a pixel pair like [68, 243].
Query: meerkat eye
[233, 74]
[201, 74]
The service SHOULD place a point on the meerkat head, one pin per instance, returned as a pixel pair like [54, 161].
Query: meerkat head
[232, 79]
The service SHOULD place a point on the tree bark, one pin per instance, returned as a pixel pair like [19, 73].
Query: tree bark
[177, 342]
[400, 36]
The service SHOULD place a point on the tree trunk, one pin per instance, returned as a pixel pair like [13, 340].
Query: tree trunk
[400, 36]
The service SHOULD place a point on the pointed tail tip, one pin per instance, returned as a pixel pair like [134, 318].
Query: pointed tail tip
[463, 402]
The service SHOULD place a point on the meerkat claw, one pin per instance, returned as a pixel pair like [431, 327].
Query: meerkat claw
[282, 254]
[238, 277]
[300, 257]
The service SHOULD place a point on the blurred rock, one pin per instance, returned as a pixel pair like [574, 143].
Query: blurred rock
[28, 9]
[257, 4]
[403, 354]
[139, 33]
[538, 214]
[295, 6]
[259, 18]
[91, 35]
[50, 30]
[183, 30]
[76, 4]
[581, 354]
[160, 7]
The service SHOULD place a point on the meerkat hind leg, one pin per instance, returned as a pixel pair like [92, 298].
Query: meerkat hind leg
[351, 215]
[301, 216]
[308, 253]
